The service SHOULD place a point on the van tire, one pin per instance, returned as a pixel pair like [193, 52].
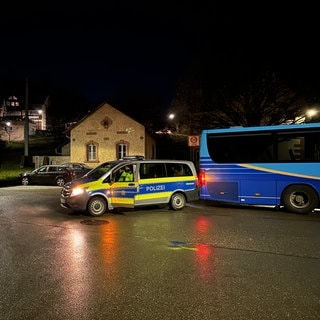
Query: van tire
[177, 201]
[300, 199]
[97, 206]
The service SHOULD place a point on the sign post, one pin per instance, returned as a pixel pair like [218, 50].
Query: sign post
[193, 141]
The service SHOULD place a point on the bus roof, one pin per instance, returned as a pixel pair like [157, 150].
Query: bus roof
[264, 128]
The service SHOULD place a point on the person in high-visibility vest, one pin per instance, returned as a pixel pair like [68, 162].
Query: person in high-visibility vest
[127, 174]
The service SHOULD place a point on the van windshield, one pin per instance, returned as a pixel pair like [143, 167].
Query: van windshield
[101, 170]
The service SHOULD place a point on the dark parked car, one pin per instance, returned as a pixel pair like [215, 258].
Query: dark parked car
[47, 175]
[79, 169]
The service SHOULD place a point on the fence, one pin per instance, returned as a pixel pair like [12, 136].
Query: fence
[43, 160]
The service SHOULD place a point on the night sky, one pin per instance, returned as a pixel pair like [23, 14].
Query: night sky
[142, 49]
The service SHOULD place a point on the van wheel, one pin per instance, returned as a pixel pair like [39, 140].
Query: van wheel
[177, 201]
[300, 199]
[97, 206]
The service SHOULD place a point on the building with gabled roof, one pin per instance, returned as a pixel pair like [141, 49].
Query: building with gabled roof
[108, 134]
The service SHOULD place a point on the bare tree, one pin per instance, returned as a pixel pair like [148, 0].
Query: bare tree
[264, 101]
[187, 106]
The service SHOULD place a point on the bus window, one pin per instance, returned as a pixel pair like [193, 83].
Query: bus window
[240, 148]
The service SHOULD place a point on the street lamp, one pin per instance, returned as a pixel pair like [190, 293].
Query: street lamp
[171, 117]
[8, 130]
[39, 120]
[311, 114]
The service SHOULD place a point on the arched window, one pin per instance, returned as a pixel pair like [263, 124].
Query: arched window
[92, 151]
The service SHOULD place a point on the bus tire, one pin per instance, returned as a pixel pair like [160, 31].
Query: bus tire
[97, 206]
[300, 198]
[177, 201]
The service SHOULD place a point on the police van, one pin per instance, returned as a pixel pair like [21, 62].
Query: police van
[130, 183]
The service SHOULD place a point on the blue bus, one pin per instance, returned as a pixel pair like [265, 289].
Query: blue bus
[275, 165]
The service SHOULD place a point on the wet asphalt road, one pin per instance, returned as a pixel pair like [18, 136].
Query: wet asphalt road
[203, 262]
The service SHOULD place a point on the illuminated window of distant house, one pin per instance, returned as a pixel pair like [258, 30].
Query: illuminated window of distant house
[122, 149]
[92, 152]
[12, 102]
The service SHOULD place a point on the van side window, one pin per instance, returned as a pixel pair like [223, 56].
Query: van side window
[152, 170]
[143, 171]
[124, 174]
[178, 169]
[187, 171]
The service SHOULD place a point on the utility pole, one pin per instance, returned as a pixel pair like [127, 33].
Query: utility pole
[26, 126]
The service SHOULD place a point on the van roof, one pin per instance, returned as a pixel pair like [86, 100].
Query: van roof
[136, 157]
[156, 161]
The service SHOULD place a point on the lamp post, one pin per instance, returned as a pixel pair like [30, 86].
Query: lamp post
[26, 127]
[171, 117]
[8, 130]
[39, 121]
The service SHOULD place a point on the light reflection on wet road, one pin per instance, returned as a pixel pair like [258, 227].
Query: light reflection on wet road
[202, 262]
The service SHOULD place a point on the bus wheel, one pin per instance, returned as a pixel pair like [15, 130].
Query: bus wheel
[300, 199]
[97, 206]
[177, 201]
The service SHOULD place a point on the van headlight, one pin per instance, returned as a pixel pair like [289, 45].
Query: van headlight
[77, 191]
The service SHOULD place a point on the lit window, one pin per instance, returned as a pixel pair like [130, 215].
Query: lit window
[121, 150]
[91, 152]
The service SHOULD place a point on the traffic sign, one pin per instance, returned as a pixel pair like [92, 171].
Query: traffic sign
[193, 141]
